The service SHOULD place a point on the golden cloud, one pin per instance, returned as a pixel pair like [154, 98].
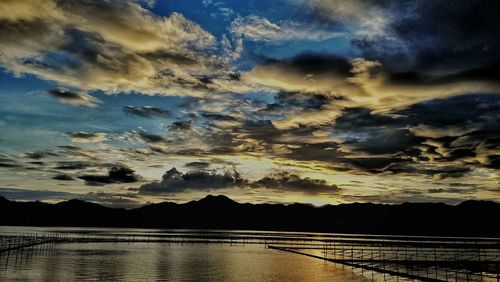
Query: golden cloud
[114, 46]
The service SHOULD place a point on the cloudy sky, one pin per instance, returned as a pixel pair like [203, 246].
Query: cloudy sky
[125, 102]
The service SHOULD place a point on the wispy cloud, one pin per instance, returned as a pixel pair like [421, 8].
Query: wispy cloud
[85, 137]
[146, 111]
[255, 28]
[114, 46]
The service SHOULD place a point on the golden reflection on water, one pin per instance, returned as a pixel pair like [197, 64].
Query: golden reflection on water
[169, 262]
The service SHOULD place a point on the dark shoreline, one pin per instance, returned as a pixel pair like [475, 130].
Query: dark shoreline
[468, 219]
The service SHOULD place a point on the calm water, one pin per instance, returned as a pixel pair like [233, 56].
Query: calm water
[162, 261]
[110, 254]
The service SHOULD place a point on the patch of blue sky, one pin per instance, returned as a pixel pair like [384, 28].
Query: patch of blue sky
[194, 11]
[23, 83]
[259, 97]
[284, 49]
[28, 113]
[216, 16]
[60, 60]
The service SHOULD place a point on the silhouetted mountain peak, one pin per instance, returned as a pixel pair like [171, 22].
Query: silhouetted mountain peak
[474, 203]
[217, 200]
[76, 203]
[302, 205]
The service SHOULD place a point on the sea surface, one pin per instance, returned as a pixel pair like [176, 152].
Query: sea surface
[237, 260]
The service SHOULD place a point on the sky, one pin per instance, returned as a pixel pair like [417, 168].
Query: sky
[128, 102]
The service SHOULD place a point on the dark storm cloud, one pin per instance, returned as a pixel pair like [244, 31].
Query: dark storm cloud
[7, 165]
[218, 117]
[204, 79]
[285, 181]
[75, 151]
[313, 63]
[72, 165]
[181, 59]
[39, 155]
[324, 151]
[151, 138]
[222, 143]
[463, 127]
[257, 128]
[65, 94]
[465, 189]
[391, 197]
[454, 110]
[117, 174]
[77, 99]
[302, 100]
[458, 128]
[86, 137]
[197, 165]
[34, 195]
[261, 136]
[487, 73]
[4, 157]
[37, 163]
[420, 42]
[374, 134]
[450, 36]
[363, 132]
[63, 177]
[174, 181]
[494, 161]
[360, 83]
[272, 109]
[181, 125]
[437, 173]
[375, 164]
[250, 136]
[146, 111]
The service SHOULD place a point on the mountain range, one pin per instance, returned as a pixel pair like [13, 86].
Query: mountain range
[470, 218]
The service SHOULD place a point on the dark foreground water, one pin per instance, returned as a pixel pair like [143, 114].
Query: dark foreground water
[161, 261]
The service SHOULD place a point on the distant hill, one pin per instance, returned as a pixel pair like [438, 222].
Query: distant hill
[470, 218]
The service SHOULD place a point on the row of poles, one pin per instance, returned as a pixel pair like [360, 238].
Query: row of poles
[16, 249]
[437, 263]
[16, 242]
[428, 262]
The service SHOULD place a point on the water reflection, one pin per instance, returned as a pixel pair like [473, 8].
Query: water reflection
[159, 254]
[173, 262]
